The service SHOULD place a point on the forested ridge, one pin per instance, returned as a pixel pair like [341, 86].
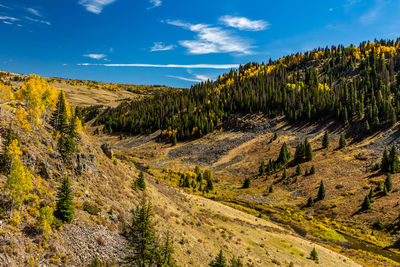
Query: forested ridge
[357, 85]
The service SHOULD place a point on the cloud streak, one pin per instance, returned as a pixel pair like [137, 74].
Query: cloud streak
[95, 6]
[33, 11]
[185, 79]
[155, 3]
[159, 46]
[243, 23]
[95, 56]
[190, 66]
[38, 21]
[210, 39]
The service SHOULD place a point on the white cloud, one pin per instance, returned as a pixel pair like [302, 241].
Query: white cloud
[374, 13]
[95, 56]
[8, 18]
[243, 23]
[211, 39]
[38, 21]
[95, 6]
[155, 3]
[193, 66]
[185, 79]
[159, 46]
[33, 11]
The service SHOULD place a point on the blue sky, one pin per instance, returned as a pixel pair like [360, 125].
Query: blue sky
[177, 43]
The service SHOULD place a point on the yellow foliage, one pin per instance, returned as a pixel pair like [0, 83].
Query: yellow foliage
[45, 220]
[15, 219]
[22, 120]
[6, 92]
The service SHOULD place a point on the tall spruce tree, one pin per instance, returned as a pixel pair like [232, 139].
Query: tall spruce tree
[393, 160]
[65, 205]
[142, 238]
[59, 118]
[342, 141]
[388, 182]
[219, 260]
[385, 161]
[284, 154]
[366, 205]
[321, 191]
[166, 258]
[140, 183]
[325, 140]
[308, 153]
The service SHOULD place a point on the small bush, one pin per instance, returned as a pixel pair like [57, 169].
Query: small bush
[92, 209]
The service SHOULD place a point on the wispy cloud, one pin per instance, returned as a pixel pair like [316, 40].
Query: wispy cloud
[211, 39]
[159, 46]
[372, 15]
[185, 79]
[95, 6]
[243, 23]
[155, 3]
[3, 6]
[33, 11]
[38, 21]
[191, 66]
[8, 18]
[95, 56]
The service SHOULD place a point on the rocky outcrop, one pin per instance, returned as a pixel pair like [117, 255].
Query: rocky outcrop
[107, 150]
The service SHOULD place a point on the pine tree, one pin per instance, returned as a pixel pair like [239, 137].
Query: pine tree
[314, 255]
[261, 169]
[385, 161]
[174, 141]
[65, 206]
[388, 182]
[235, 262]
[246, 183]
[140, 182]
[393, 160]
[308, 153]
[342, 141]
[312, 170]
[166, 258]
[366, 205]
[142, 239]
[370, 196]
[385, 191]
[219, 260]
[271, 189]
[298, 170]
[367, 127]
[325, 140]
[321, 191]
[59, 118]
[284, 154]
[310, 202]
[300, 152]
[284, 174]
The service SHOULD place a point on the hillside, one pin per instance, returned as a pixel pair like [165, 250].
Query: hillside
[39, 153]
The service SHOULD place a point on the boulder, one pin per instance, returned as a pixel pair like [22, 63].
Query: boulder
[107, 150]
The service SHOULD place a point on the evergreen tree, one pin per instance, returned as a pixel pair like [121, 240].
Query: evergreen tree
[262, 169]
[209, 185]
[388, 182]
[385, 161]
[367, 128]
[310, 202]
[342, 141]
[312, 170]
[298, 170]
[271, 189]
[65, 205]
[385, 191]
[142, 239]
[284, 154]
[246, 183]
[59, 118]
[370, 196]
[393, 160]
[140, 182]
[314, 255]
[174, 141]
[321, 191]
[167, 253]
[308, 153]
[235, 262]
[300, 152]
[284, 174]
[219, 260]
[325, 140]
[366, 205]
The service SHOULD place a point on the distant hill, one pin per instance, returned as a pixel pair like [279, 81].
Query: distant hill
[357, 86]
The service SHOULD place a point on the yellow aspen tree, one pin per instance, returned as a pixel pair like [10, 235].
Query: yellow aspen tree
[22, 120]
[19, 181]
[5, 93]
[45, 220]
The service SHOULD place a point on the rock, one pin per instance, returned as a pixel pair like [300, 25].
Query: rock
[107, 150]
[44, 169]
